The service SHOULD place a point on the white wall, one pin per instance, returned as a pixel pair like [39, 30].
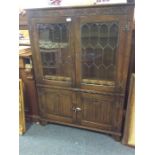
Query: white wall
[45, 3]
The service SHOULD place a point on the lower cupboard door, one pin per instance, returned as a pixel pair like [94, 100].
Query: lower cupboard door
[102, 112]
[56, 105]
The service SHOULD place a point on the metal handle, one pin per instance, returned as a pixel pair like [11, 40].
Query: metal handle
[76, 109]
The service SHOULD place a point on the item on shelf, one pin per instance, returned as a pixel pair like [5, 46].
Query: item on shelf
[51, 45]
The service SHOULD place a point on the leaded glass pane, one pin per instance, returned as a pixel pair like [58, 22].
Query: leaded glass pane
[99, 44]
[54, 49]
[113, 35]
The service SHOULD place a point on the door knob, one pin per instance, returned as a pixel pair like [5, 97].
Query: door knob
[78, 109]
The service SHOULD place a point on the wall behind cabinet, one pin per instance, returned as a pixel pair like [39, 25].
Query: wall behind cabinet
[46, 3]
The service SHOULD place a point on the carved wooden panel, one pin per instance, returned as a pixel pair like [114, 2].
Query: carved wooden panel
[96, 110]
[100, 111]
[55, 103]
[82, 11]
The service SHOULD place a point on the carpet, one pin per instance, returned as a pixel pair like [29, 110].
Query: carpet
[55, 139]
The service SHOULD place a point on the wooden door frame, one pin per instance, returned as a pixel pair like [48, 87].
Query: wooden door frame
[121, 52]
[37, 57]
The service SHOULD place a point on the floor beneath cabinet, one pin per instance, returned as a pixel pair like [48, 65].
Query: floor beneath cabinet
[62, 140]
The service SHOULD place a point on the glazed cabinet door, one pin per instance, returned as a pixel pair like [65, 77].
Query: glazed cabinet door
[53, 51]
[101, 44]
[56, 105]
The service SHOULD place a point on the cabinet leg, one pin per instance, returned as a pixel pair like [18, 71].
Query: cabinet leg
[43, 122]
[117, 138]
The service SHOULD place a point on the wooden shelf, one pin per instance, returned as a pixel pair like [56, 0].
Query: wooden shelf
[46, 67]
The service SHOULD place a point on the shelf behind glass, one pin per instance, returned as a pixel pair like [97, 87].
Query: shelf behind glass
[57, 78]
[52, 45]
[98, 82]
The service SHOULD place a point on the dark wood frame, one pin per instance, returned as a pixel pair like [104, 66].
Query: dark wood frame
[29, 91]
